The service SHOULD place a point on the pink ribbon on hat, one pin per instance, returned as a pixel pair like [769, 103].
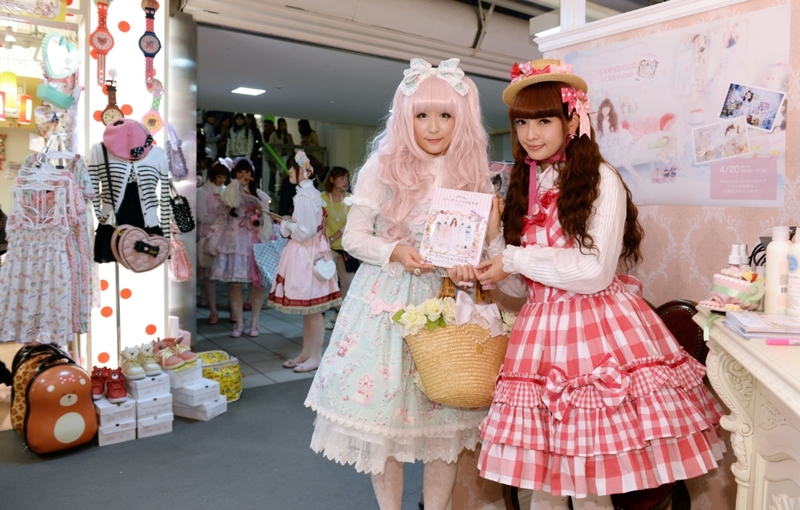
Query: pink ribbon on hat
[577, 101]
[487, 316]
[610, 383]
[524, 70]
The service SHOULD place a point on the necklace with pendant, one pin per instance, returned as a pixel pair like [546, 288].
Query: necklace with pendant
[337, 211]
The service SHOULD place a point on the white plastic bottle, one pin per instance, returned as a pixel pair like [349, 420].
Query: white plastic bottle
[733, 257]
[793, 282]
[744, 262]
[777, 273]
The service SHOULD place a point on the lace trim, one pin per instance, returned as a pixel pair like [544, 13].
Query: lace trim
[508, 259]
[368, 451]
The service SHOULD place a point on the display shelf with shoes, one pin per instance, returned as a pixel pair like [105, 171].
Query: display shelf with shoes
[196, 394]
[154, 425]
[111, 414]
[116, 433]
[188, 374]
[202, 412]
[148, 387]
[153, 406]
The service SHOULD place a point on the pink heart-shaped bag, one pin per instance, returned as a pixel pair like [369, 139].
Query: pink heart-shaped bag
[137, 250]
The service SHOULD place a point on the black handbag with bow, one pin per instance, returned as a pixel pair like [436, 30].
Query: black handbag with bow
[181, 210]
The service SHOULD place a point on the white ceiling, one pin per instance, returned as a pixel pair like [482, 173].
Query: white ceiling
[318, 83]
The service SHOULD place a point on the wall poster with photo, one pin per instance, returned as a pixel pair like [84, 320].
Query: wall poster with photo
[676, 110]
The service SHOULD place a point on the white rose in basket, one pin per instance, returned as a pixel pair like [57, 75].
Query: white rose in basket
[412, 318]
[508, 321]
[449, 310]
[433, 309]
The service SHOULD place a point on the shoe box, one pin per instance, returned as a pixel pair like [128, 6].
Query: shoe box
[111, 414]
[193, 395]
[153, 406]
[116, 433]
[202, 412]
[149, 386]
[185, 375]
[154, 425]
[116, 422]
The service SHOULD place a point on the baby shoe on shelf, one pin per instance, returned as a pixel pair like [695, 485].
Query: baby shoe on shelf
[148, 359]
[115, 385]
[129, 360]
[167, 357]
[98, 383]
[181, 346]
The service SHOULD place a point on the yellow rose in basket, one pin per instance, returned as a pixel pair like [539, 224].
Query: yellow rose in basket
[433, 309]
[449, 310]
[413, 319]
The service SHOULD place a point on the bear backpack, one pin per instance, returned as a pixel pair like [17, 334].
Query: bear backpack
[60, 413]
[24, 366]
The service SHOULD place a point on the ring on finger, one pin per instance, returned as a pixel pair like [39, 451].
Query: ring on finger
[417, 272]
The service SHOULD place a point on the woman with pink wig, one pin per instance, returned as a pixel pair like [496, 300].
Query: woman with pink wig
[370, 411]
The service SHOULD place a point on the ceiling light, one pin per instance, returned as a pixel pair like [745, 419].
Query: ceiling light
[9, 36]
[248, 91]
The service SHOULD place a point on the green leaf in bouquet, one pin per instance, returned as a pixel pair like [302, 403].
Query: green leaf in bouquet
[441, 323]
[430, 326]
[396, 316]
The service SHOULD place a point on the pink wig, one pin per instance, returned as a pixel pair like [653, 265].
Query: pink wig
[404, 164]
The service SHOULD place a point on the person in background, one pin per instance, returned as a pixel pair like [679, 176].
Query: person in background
[296, 290]
[255, 154]
[224, 131]
[246, 224]
[308, 137]
[336, 184]
[281, 136]
[269, 128]
[240, 139]
[286, 196]
[211, 139]
[209, 207]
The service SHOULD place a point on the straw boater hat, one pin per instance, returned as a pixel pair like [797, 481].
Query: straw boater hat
[537, 71]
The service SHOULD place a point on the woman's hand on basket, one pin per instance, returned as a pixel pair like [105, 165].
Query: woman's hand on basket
[491, 271]
[411, 260]
[462, 275]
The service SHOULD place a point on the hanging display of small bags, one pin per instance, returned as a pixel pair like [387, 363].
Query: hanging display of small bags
[176, 162]
[180, 265]
[181, 210]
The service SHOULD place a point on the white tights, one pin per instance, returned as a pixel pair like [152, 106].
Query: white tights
[438, 479]
[541, 500]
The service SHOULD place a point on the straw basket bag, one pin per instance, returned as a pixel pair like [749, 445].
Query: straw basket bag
[458, 365]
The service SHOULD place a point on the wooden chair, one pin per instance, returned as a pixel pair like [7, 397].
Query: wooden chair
[677, 316]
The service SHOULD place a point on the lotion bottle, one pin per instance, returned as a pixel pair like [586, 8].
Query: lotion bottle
[777, 273]
[793, 284]
[744, 263]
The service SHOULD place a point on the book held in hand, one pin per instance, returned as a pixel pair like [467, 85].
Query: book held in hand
[456, 228]
[762, 325]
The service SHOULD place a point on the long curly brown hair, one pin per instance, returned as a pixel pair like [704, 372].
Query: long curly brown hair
[578, 178]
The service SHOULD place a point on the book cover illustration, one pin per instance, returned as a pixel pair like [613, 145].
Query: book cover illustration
[757, 324]
[456, 227]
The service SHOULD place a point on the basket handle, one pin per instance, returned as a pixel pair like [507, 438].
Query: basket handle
[448, 289]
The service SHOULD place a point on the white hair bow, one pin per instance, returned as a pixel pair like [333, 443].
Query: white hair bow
[421, 70]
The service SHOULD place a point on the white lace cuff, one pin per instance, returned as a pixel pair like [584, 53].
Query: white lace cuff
[495, 246]
[509, 264]
[394, 269]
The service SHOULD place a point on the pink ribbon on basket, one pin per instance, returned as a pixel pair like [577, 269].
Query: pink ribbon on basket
[486, 316]
[611, 385]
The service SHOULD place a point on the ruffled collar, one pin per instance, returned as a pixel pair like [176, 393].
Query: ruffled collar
[213, 188]
[307, 189]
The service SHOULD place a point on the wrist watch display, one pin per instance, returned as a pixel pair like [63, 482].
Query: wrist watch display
[101, 40]
[112, 111]
[149, 42]
[152, 118]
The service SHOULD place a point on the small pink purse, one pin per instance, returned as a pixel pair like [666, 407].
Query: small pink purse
[180, 265]
[137, 250]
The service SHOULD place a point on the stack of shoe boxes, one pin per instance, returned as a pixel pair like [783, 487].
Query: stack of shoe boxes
[195, 397]
[153, 402]
[116, 422]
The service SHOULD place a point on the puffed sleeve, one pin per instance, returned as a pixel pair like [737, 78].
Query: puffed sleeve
[304, 219]
[359, 238]
[575, 269]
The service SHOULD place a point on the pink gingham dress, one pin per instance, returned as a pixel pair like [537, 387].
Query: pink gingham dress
[595, 395]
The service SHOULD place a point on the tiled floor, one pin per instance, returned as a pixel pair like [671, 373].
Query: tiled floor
[261, 359]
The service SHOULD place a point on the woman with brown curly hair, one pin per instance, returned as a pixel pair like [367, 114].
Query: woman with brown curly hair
[595, 396]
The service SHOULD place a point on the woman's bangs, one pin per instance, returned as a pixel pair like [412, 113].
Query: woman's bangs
[435, 95]
[537, 102]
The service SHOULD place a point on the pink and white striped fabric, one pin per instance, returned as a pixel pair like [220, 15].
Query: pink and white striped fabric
[595, 395]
